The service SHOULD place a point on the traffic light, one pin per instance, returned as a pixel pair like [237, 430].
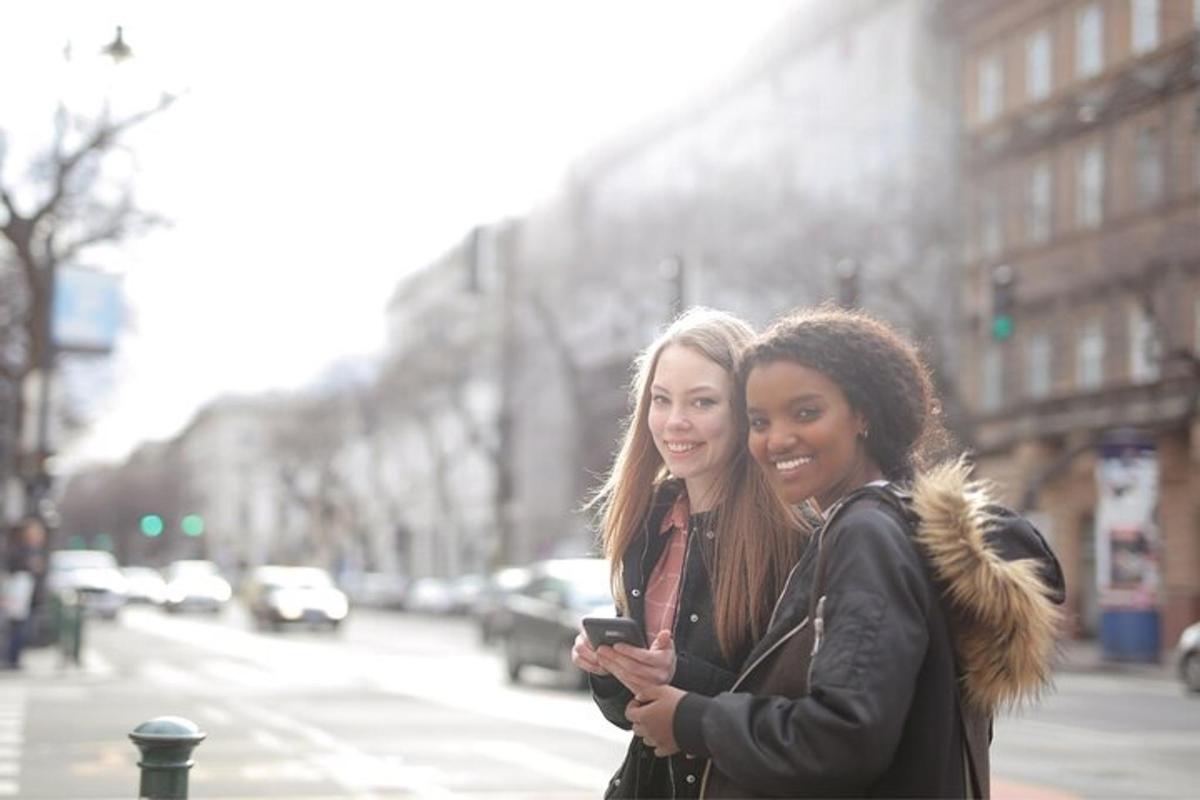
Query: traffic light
[192, 525]
[847, 283]
[1004, 288]
[152, 525]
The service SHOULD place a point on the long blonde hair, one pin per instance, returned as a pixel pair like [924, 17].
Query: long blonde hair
[758, 537]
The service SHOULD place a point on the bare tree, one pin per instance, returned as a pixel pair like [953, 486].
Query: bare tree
[60, 206]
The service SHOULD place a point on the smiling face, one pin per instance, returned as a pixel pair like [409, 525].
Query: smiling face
[691, 419]
[805, 434]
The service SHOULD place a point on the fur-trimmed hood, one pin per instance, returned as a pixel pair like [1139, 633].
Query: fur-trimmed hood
[1002, 582]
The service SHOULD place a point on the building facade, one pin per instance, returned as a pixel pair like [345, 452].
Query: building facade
[1082, 156]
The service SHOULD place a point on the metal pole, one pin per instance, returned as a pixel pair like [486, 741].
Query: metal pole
[40, 484]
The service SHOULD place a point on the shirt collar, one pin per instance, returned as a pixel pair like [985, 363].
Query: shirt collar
[678, 516]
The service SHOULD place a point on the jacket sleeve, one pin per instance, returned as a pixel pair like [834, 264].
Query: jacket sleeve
[840, 738]
[697, 675]
[611, 697]
[691, 674]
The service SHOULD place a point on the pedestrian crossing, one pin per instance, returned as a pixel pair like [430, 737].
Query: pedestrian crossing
[12, 735]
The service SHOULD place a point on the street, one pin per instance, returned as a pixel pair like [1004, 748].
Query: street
[399, 706]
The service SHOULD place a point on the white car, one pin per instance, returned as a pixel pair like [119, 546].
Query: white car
[1188, 657]
[196, 585]
[144, 585]
[92, 575]
[279, 595]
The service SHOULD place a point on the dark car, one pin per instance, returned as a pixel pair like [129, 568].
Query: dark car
[1188, 655]
[279, 595]
[491, 606]
[545, 614]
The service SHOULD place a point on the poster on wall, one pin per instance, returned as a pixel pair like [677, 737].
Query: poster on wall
[1127, 546]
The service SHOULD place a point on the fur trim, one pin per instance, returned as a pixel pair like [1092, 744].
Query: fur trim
[1004, 622]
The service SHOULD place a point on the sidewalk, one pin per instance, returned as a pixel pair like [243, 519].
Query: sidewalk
[1085, 656]
[42, 664]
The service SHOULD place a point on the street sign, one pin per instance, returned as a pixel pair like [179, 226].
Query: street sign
[87, 310]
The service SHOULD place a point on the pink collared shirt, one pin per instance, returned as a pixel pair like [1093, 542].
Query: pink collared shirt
[662, 590]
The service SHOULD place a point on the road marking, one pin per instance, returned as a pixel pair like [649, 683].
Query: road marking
[168, 675]
[12, 735]
[533, 759]
[217, 715]
[348, 766]
[270, 741]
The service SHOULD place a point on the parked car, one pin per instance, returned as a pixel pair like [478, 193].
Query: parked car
[430, 596]
[1188, 655]
[376, 589]
[491, 611]
[279, 595]
[144, 585]
[196, 585]
[93, 575]
[464, 592]
[545, 614]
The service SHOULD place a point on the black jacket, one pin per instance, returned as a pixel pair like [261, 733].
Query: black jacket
[914, 603]
[700, 667]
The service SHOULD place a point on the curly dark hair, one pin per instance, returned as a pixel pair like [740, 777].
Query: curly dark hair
[879, 370]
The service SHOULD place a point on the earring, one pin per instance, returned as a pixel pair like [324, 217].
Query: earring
[864, 434]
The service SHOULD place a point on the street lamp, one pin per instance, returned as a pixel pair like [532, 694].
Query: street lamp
[671, 270]
[45, 300]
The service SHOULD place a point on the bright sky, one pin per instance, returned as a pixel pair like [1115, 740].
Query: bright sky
[323, 149]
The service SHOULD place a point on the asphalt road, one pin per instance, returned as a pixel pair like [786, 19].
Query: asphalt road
[404, 706]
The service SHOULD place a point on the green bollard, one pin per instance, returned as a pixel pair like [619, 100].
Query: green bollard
[166, 745]
[69, 619]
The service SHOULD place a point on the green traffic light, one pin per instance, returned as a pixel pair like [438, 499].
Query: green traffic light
[152, 525]
[192, 525]
[1002, 327]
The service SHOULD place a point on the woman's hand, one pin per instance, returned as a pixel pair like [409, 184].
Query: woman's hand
[652, 714]
[584, 656]
[640, 668]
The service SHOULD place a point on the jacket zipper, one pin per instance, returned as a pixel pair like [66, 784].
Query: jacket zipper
[818, 632]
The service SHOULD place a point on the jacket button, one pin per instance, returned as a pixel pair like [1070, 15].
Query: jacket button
[616, 781]
[709, 534]
[690, 778]
[694, 617]
[636, 593]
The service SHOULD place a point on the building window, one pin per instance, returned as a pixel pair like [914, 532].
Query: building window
[1038, 204]
[1144, 28]
[1089, 186]
[991, 88]
[992, 391]
[1089, 355]
[1089, 41]
[1039, 365]
[1143, 347]
[1037, 65]
[1149, 166]
[991, 225]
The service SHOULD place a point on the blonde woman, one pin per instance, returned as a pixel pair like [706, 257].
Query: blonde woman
[698, 541]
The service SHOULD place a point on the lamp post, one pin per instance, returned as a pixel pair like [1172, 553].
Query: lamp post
[671, 270]
[44, 298]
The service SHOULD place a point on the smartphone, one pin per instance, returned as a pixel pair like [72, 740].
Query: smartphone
[611, 630]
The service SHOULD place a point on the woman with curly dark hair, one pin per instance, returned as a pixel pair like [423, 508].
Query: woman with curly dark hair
[916, 612]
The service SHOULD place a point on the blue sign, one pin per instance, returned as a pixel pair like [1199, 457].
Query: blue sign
[87, 310]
